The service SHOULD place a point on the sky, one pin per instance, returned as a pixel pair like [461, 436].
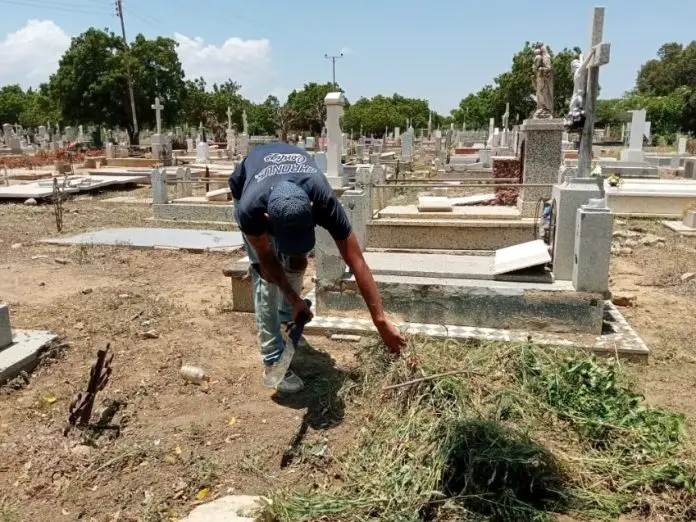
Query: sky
[441, 50]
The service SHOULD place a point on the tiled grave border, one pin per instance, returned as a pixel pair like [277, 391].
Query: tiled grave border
[619, 338]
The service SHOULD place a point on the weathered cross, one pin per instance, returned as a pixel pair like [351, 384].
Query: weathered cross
[597, 56]
[157, 106]
[229, 118]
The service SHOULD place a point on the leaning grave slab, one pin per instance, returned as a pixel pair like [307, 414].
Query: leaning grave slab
[19, 349]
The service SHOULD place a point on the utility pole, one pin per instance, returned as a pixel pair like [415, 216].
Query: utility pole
[333, 63]
[119, 12]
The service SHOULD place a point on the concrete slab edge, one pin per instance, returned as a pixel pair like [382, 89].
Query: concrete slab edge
[24, 353]
[622, 341]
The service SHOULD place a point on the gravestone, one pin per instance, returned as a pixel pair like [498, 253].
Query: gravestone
[681, 148]
[593, 238]
[407, 146]
[634, 153]
[184, 188]
[5, 329]
[158, 178]
[334, 102]
[202, 153]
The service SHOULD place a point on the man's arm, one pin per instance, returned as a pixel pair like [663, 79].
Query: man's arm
[352, 255]
[273, 272]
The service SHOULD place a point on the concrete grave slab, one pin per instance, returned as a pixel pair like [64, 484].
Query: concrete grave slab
[434, 204]
[173, 238]
[473, 200]
[23, 354]
[519, 257]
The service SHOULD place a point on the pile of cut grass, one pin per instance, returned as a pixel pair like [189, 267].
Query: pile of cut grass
[518, 433]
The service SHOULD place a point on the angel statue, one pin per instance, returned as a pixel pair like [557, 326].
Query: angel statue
[543, 81]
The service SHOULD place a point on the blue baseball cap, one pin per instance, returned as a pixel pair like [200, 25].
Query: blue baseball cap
[291, 219]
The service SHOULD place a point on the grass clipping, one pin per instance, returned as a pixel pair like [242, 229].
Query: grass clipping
[521, 433]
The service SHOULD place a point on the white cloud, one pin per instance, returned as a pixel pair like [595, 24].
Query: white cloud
[30, 55]
[245, 61]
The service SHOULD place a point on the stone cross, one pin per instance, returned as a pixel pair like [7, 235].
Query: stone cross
[506, 116]
[229, 118]
[157, 106]
[597, 56]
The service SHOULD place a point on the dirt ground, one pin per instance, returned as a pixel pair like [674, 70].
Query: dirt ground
[183, 444]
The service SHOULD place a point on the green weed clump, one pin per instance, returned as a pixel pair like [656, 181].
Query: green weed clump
[504, 433]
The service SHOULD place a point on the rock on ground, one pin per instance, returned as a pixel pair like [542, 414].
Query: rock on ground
[233, 508]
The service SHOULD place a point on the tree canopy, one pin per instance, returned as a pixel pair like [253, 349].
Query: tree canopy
[90, 86]
[516, 88]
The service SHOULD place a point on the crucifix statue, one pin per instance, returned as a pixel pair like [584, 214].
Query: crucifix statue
[586, 90]
[229, 118]
[157, 106]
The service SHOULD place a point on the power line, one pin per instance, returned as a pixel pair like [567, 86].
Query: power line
[45, 4]
[333, 59]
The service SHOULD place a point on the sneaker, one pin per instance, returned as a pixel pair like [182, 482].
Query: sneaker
[274, 374]
[291, 383]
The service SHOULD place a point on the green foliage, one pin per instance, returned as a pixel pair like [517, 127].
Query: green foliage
[516, 88]
[502, 433]
[308, 105]
[376, 114]
[12, 102]
[91, 83]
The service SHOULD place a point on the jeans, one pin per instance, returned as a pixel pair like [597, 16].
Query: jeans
[271, 307]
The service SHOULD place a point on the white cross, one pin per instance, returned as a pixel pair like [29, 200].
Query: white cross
[597, 56]
[158, 114]
[229, 118]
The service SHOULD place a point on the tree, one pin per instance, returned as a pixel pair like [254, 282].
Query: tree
[91, 86]
[13, 101]
[308, 105]
[516, 88]
[671, 75]
[376, 114]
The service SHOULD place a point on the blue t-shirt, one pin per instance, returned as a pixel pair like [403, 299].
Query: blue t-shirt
[252, 180]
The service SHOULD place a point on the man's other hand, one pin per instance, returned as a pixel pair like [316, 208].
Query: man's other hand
[392, 337]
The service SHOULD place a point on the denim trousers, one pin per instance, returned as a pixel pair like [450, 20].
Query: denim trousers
[271, 307]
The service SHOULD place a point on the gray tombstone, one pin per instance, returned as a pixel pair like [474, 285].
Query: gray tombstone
[159, 187]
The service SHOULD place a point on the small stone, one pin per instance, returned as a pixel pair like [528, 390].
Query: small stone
[87, 291]
[625, 234]
[61, 261]
[30, 201]
[346, 337]
[619, 222]
[81, 450]
[651, 240]
[689, 276]
[124, 296]
[150, 334]
[631, 243]
[15, 246]
[625, 251]
[624, 300]
[34, 258]
[79, 326]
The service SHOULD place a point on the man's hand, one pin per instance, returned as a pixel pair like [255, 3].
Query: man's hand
[392, 337]
[300, 308]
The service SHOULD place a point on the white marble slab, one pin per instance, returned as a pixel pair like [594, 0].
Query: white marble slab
[519, 257]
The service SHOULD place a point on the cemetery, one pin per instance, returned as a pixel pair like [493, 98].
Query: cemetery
[541, 268]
